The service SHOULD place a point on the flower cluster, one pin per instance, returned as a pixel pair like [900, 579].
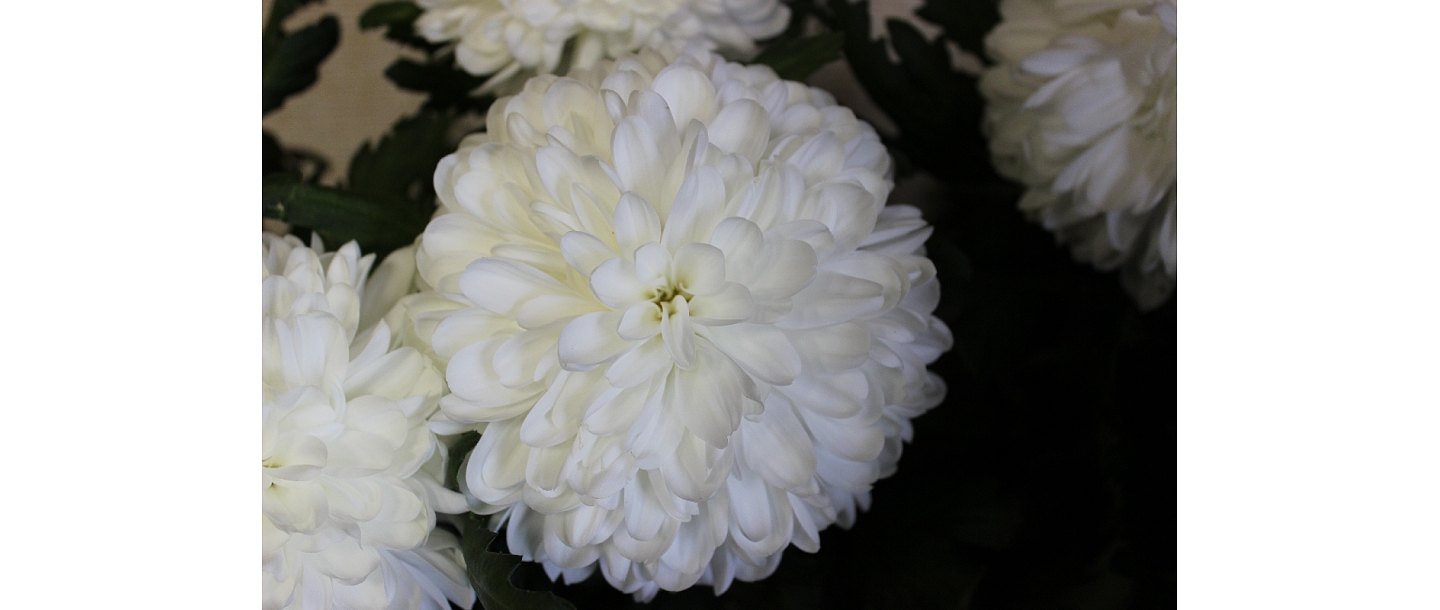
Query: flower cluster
[350, 474]
[515, 39]
[671, 295]
[1082, 112]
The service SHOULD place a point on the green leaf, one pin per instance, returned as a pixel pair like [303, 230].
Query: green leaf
[928, 63]
[462, 448]
[965, 21]
[293, 61]
[378, 224]
[389, 13]
[277, 158]
[272, 157]
[448, 87]
[936, 108]
[402, 163]
[280, 10]
[868, 59]
[398, 19]
[798, 59]
[489, 573]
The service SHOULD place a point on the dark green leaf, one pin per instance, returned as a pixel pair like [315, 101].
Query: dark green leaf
[398, 19]
[272, 157]
[292, 66]
[881, 78]
[928, 63]
[280, 10]
[462, 448]
[449, 88]
[389, 13]
[489, 573]
[798, 59]
[378, 224]
[936, 108]
[279, 159]
[274, 31]
[965, 21]
[402, 164]
[800, 13]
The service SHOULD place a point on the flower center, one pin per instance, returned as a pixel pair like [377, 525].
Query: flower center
[665, 295]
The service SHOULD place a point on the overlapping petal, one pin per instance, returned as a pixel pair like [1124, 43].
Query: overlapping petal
[516, 39]
[1082, 111]
[350, 471]
[702, 328]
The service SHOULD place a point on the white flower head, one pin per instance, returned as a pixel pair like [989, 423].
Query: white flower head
[1082, 112]
[516, 39]
[350, 474]
[671, 295]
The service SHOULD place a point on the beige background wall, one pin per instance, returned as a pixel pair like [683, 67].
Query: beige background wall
[353, 102]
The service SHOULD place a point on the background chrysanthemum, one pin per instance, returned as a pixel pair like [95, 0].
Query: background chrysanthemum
[515, 39]
[350, 474]
[1082, 112]
[671, 296]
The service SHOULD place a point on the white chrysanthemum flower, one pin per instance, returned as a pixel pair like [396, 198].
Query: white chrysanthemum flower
[1082, 112]
[516, 39]
[672, 298]
[351, 475]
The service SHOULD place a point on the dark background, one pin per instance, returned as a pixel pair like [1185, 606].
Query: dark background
[1046, 480]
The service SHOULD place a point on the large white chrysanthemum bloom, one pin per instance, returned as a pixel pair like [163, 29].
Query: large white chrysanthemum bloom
[671, 296]
[1082, 112]
[350, 474]
[516, 39]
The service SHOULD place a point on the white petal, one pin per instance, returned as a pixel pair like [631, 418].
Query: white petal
[777, 447]
[679, 333]
[640, 364]
[614, 284]
[850, 212]
[591, 339]
[636, 223]
[762, 350]
[467, 326]
[850, 439]
[783, 269]
[699, 205]
[699, 268]
[502, 285]
[741, 127]
[687, 91]
[640, 321]
[496, 468]
[729, 305]
[584, 251]
[657, 431]
[833, 298]
[833, 348]
[839, 394]
[615, 410]
[819, 158]
[518, 360]
[711, 393]
[643, 154]
[652, 264]
[394, 278]
[644, 515]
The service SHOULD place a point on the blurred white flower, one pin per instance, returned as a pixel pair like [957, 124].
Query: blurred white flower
[516, 39]
[670, 295]
[350, 475]
[1082, 112]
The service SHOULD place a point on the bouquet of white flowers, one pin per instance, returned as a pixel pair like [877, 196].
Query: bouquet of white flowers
[626, 312]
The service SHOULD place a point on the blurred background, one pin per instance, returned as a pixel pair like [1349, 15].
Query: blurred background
[1045, 481]
[353, 103]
